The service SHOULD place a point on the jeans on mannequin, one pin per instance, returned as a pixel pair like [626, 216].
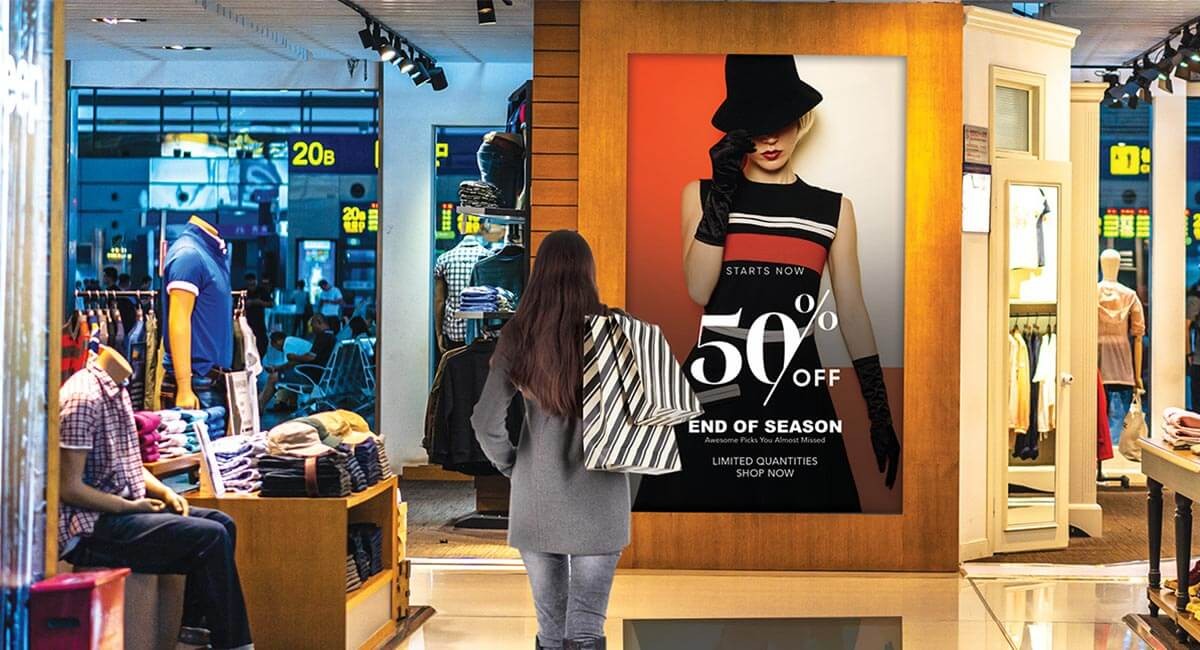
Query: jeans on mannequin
[1119, 399]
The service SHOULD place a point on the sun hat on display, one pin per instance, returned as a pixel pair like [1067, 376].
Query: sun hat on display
[296, 438]
[763, 93]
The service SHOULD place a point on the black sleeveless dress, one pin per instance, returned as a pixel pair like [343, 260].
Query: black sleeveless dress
[795, 460]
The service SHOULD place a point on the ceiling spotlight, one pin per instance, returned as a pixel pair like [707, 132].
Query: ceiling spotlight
[386, 51]
[420, 73]
[367, 37]
[405, 63]
[1169, 59]
[115, 20]
[487, 11]
[186, 48]
[437, 78]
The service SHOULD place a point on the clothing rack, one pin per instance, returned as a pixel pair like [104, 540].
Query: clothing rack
[105, 293]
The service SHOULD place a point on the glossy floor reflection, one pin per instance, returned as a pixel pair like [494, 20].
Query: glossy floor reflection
[489, 607]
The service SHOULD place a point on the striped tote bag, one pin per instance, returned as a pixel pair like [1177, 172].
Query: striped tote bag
[634, 394]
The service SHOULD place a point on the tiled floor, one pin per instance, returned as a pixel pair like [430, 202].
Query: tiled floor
[999, 607]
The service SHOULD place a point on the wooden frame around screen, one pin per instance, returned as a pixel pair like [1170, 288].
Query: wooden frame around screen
[925, 536]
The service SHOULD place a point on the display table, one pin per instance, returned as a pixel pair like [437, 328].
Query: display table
[1179, 471]
[291, 556]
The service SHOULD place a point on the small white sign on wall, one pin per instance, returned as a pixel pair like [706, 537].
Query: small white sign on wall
[977, 202]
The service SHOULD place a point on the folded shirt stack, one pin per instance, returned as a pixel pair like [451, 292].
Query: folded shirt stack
[212, 417]
[237, 462]
[287, 476]
[505, 300]
[1181, 428]
[147, 427]
[478, 299]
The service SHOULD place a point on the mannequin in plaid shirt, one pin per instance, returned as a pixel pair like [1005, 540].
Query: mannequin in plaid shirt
[115, 513]
[452, 274]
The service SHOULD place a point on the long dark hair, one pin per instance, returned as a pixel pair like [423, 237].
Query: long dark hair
[544, 340]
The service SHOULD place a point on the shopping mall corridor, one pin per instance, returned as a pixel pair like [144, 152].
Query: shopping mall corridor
[991, 607]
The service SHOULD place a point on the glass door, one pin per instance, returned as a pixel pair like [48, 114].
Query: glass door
[1030, 371]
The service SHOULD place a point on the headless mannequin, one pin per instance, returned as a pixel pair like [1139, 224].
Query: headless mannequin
[490, 234]
[1110, 264]
[180, 304]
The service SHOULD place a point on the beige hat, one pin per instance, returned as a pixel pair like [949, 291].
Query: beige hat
[294, 438]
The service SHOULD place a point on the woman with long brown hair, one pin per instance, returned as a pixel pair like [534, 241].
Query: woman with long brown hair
[569, 523]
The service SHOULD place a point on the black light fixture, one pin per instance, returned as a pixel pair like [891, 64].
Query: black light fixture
[386, 50]
[487, 11]
[420, 73]
[186, 48]
[366, 36]
[392, 47]
[405, 62]
[437, 78]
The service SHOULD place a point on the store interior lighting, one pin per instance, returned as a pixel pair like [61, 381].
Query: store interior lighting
[392, 47]
[117, 20]
[487, 11]
[1156, 66]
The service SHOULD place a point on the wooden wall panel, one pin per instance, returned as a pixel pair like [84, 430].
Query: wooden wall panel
[925, 536]
[555, 194]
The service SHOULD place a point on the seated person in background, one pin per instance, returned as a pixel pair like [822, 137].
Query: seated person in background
[322, 349]
[115, 513]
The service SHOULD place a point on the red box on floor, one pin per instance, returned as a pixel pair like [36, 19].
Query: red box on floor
[74, 611]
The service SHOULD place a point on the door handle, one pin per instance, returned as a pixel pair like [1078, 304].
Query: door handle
[1068, 379]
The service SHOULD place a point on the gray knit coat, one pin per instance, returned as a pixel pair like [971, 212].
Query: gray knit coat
[556, 504]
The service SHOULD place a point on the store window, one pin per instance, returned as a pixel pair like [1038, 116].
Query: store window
[289, 181]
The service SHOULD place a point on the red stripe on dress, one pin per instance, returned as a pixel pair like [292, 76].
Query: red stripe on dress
[776, 249]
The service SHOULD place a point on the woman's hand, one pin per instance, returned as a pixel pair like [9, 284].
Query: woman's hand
[727, 156]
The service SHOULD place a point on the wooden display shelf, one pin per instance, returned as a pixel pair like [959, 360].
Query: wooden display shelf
[291, 555]
[1165, 599]
[171, 466]
[373, 584]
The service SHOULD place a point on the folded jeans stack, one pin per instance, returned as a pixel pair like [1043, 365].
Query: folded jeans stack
[365, 544]
[352, 580]
[312, 476]
[479, 299]
[358, 476]
[368, 458]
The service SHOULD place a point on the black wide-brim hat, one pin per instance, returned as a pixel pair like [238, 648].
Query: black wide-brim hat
[763, 93]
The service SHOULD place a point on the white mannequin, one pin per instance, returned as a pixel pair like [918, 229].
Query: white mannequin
[1110, 264]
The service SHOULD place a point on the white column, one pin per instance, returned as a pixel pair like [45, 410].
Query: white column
[1168, 173]
[1085, 513]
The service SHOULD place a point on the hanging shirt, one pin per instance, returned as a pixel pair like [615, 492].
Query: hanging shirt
[1044, 383]
[1121, 317]
[1018, 384]
[197, 263]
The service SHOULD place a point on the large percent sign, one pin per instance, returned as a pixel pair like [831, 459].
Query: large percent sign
[756, 342]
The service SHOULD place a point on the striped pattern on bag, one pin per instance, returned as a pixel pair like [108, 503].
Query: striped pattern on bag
[633, 394]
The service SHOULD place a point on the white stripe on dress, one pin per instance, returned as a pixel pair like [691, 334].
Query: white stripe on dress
[783, 222]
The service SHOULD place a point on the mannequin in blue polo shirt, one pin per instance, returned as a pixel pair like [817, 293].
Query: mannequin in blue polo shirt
[199, 317]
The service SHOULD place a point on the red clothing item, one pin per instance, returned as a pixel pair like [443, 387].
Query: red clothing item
[1104, 448]
[74, 347]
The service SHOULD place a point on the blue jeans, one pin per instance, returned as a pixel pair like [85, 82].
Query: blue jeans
[1119, 399]
[570, 593]
[200, 546]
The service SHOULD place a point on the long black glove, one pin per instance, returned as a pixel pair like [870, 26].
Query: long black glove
[883, 433]
[727, 155]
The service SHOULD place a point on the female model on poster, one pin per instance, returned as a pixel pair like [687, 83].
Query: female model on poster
[757, 240]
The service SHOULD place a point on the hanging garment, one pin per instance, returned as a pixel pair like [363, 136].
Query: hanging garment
[118, 329]
[1104, 446]
[239, 346]
[251, 360]
[1121, 317]
[135, 353]
[449, 436]
[1044, 379]
[1033, 344]
[454, 267]
[241, 391]
[505, 270]
[74, 344]
[1018, 384]
[779, 238]
[153, 380]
